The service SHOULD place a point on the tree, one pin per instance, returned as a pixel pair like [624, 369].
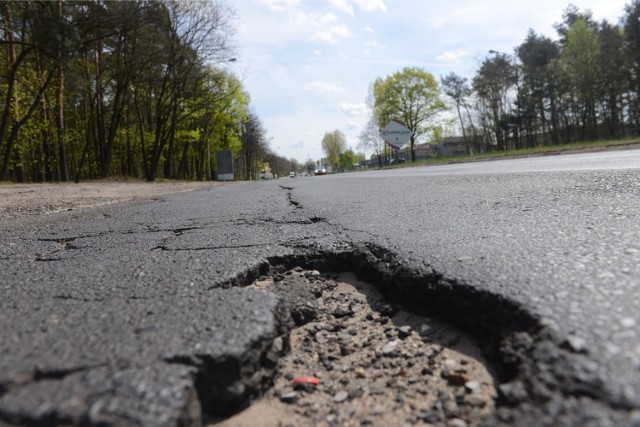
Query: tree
[333, 144]
[348, 159]
[570, 15]
[457, 88]
[538, 96]
[35, 40]
[615, 78]
[493, 85]
[579, 63]
[97, 88]
[295, 165]
[254, 145]
[632, 51]
[370, 139]
[413, 96]
[192, 34]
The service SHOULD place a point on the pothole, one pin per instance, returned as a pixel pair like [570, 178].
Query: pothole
[356, 359]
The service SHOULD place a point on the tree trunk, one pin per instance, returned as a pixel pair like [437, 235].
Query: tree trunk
[13, 93]
[413, 151]
[15, 129]
[62, 149]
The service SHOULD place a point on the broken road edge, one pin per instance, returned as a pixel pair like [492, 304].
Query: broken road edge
[541, 378]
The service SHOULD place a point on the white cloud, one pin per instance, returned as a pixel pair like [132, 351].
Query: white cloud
[371, 5]
[343, 6]
[334, 35]
[328, 18]
[352, 126]
[323, 87]
[281, 75]
[298, 144]
[354, 109]
[281, 5]
[449, 57]
[364, 5]
[316, 52]
[368, 29]
[371, 43]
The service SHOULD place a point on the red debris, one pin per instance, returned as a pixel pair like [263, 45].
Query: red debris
[306, 380]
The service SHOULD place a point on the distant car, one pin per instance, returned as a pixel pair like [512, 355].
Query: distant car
[321, 170]
[396, 161]
[292, 174]
[266, 175]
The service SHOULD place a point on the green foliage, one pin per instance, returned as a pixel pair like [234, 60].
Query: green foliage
[411, 95]
[132, 83]
[333, 145]
[580, 57]
[348, 159]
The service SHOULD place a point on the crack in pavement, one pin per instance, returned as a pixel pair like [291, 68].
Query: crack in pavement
[209, 248]
[309, 221]
[292, 202]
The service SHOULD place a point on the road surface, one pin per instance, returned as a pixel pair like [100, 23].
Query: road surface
[136, 314]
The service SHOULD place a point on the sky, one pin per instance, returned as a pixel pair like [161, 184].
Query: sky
[308, 64]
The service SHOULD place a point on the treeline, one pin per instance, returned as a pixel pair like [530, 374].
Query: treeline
[93, 89]
[584, 86]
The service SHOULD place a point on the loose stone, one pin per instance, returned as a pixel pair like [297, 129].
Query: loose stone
[404, 331]
[390, 348]
[341, 396]
[472, 386]
[289, 397]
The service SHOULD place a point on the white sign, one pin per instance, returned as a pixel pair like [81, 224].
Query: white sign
[396, 134]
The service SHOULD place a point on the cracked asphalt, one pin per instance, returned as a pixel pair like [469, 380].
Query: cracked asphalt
[137, 313]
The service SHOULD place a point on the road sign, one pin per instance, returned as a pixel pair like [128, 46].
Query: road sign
[396, 133]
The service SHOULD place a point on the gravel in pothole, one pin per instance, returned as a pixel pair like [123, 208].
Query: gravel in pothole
[357, 360]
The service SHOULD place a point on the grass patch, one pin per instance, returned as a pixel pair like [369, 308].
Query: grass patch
[534, 151]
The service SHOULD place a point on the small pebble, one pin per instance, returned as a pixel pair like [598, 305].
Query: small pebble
[471, 386]
[289, 397]
[457, 422]
[390, 348]
[341, 396]
[404, 331]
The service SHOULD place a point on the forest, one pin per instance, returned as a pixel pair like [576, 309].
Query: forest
[584, 86]
[145, 89]
[96, 89]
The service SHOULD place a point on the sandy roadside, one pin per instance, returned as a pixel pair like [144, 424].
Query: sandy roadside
[19, 200]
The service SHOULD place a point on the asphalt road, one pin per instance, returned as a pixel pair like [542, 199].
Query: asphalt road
[132, 314]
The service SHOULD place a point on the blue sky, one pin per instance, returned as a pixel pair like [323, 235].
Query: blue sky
[308, 64]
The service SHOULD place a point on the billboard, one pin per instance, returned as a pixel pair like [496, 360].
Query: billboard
[224, 162]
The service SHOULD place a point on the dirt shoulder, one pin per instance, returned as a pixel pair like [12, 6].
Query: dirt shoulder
[20, 200]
